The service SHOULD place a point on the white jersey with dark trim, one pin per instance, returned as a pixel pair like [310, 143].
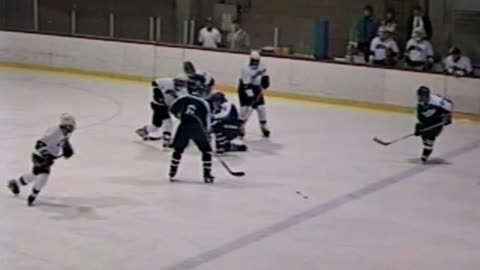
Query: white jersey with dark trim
[207, 78]
[52, 142]
[419, 51]
[381, 49]
[463, 66]
[168, 93]
[252, 75]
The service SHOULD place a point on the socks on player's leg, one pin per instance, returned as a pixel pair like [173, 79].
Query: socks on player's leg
[167, 137]
[40, 182]
[167, 132]
[262, 117]
[427, 149]
[175, 162]
[245, 112]
[221, 142]
[207, 167]
[26, 179]
[33, 196]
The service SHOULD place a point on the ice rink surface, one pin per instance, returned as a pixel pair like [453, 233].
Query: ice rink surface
[112, 207]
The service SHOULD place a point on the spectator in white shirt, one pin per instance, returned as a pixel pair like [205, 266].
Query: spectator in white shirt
[457, 64]
[384, 50]
[419, 52]
[209, 36]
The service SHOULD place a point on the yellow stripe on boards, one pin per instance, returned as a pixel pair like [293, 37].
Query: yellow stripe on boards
[469, 118]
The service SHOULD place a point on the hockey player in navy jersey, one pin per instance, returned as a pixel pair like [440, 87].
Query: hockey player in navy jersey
[194, 114]
[433, 113]
[226, 125]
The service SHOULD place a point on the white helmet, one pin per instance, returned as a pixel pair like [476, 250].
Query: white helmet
[255, 55]
[68, 120]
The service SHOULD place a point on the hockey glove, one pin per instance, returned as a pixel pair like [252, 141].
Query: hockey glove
[265, 82]
[67, 150]
[418, 129]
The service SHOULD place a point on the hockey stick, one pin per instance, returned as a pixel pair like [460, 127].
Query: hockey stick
[224, 164]
[384, 143]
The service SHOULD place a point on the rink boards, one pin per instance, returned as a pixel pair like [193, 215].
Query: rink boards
[387, 88]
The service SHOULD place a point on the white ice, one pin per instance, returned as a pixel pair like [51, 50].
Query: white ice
[111, 206]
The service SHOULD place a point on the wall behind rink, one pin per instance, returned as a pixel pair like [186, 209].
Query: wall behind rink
[289, 76]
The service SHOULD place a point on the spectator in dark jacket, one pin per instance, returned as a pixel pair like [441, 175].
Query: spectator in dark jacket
[419, 21]
[390, 22]
[365, 31]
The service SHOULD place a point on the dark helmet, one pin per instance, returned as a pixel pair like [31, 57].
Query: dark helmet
[423, 94]
[197, 89]
[189, 68]
[218, 98]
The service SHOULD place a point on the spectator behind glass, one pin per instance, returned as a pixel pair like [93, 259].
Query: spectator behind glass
[389, 22]
[457, 64]
[418, 21]
[209, 36]
[419, 52]
[384, 49]
[365, 30]
[237, 38]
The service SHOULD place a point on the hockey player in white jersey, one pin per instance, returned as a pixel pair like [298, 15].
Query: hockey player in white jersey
[165, 91]
[253, 81]
[53, 145]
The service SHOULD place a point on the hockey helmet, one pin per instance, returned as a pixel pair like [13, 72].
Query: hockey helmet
[254, 59]
[68, 122]
[423, 95]
[180, 82]
[218, 98]
[197, 89]
[189, 68]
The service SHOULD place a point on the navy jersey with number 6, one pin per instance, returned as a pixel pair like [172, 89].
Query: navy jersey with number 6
[190, 108]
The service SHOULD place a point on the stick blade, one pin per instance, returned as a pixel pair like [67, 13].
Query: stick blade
[377, 140]
[238, 174]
